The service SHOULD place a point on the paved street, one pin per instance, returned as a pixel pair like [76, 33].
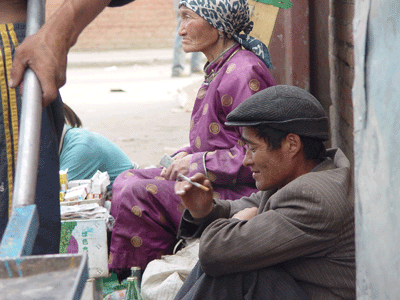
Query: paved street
[139, 106]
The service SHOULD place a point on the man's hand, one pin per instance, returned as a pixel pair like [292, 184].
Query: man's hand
[46, 51]
[47, 58]
[196, 200]
[179, 166]
[246, 214]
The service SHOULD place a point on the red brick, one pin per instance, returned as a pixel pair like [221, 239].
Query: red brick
[141, 24]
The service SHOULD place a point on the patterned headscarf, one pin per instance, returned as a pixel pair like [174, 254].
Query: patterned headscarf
[231, 17]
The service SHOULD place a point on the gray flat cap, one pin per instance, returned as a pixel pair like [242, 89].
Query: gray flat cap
[283, 107]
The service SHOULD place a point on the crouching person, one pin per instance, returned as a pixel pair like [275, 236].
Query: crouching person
[294, 239]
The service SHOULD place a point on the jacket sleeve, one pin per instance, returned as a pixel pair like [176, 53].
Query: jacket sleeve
[298, 225]
[190, 228]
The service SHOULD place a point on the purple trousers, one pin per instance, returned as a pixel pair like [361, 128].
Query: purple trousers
[147, 215]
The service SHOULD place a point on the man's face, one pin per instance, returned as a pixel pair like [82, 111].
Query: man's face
[271, 168]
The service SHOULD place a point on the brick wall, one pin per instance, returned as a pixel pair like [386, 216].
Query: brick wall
[341, 62]
[139, 25]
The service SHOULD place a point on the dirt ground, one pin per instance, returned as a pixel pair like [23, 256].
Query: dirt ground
[140, 108]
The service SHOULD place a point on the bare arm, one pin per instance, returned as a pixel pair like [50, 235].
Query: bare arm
[46, 51]
[12, 11]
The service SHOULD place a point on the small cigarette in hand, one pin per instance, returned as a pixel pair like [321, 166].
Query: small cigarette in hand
[204, 188]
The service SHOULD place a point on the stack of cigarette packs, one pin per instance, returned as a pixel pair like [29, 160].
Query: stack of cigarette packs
[77, 191]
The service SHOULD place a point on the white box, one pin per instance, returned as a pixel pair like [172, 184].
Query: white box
[87, 235]
[76, 195]
[85, 201]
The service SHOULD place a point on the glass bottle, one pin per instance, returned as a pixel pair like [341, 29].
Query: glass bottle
[132, 291]
[137, 272]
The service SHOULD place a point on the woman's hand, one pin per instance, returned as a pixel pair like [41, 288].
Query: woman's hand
[196, 200]
[179, 166]
[246, 214]
[180, 155]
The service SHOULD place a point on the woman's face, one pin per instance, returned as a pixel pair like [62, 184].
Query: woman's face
[197, 34]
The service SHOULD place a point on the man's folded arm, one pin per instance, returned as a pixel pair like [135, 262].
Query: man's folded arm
[192, 228]
[274, 236]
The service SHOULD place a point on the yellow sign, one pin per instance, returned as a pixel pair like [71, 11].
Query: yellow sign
[264, 17]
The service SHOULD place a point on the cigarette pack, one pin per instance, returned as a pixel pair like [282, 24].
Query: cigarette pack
[63, 180]
[76, 195]
[74, 183]
[86, 187]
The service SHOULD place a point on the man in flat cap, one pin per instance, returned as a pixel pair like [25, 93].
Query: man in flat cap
[294, 239]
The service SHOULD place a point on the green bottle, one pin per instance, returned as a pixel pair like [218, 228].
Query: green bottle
[133, 291]
[137, 272]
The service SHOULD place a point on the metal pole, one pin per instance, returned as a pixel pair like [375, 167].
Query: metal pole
[31, 117]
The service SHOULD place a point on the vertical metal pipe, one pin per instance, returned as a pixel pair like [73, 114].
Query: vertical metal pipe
[31, 117]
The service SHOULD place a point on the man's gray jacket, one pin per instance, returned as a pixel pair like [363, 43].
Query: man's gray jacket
[307, 227]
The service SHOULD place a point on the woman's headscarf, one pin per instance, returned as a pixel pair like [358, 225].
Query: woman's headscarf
[231, 17]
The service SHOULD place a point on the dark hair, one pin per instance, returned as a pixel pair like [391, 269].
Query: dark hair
[271, 136]
[313, 149]
[70, 117]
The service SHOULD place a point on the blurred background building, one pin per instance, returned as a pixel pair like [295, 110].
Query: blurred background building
[141, 24]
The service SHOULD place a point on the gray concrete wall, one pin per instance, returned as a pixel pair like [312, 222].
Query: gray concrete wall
[376, 102]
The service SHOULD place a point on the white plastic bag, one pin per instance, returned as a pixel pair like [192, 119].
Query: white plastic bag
[163, 277]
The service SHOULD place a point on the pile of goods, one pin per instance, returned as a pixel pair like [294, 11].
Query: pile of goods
[86, 191]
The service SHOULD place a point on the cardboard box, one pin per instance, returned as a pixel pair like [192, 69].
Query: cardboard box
[87, 235]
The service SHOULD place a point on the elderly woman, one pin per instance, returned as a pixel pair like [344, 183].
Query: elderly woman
[144, 204]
